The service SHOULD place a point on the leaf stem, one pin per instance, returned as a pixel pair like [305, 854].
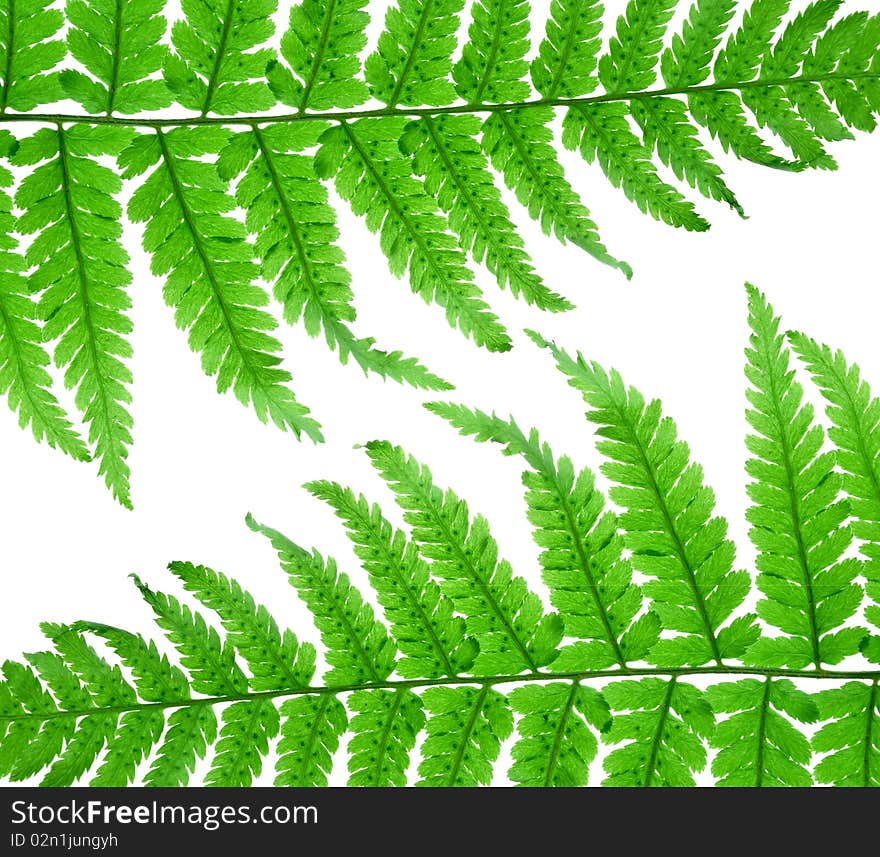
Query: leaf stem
[658, 733]
[762, 731]
[486, 681]
[386, 112]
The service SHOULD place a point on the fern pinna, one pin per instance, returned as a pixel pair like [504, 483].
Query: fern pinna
[223, 137]
[648, 661]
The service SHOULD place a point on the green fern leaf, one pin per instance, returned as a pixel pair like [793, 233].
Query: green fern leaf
[758, 745]
[79, 272]
[662, 731]
[218, 66]
[797, 521]
[518, 146]
[492, 65]
[422, 619]
[119, 45]
[568, 56]
[855, 431]
[412, 62]
[298, 251]
[321, 48]
[456, 172]
[210, 270]
[506, 619]
[375, 178]
[23, 360]
[851, 738]
[274, 659]
[666, 129]
[29, 53]
[630, 62]
[418, 163]
[688, 61]
[668, 519]
[385, 729]
[556, 745]
[309, 737]
[602, 135]
[583, 565]
[569, 684]
[359, 648]
[34, 740]
[465, 729]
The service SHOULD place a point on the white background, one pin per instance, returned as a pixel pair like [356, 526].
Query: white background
[677, 331]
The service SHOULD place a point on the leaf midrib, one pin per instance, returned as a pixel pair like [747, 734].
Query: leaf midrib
[411, 53]
[384, 112]
[762, 730]
[794, 504]
[658, 733]
[319, 56]
[221, 55]
[462, 681]
[113, 83]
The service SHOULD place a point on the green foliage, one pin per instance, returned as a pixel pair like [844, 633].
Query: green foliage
[78, 268]
[119, 44]
[450, 662]
[248, 126]
[668, 522]
[661, 733]
[758, 745]
[321, 49]
[797, 517]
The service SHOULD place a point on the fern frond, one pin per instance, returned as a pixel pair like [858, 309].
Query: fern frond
[375, 178]
[422, 619]
[758, 745]
[851, 736]
[210, 269]
[469, 654]
[385, 728]
[358, 646]
[413, 60]
[218, 65]
[668, 520]
[855, 431]
[79, 272]
[465, 729]
[30, 49]
[556, 744]
[119, 45]
[663, 728]
[23, 359]
[505, 618]
[456, 172]
[688, 61]
[798, 522]
[492, 67]
[321, 49]
[569, 52]
[602, 135]
[298, 250]
[589, 579]
[518, 146]
[310, 736]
